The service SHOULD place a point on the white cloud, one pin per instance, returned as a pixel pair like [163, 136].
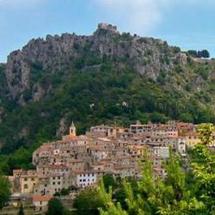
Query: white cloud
[142, 16]
[139, 16]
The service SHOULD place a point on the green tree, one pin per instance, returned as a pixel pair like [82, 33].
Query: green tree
[186, 117]
[193, 53]
[88, 202]
[172, 195]
[206, 131]
[109, 207]
[109, 181]
[21, 210]
[188, 187]
[203, 168]
[4, 191]
[55, 207]
[204, 53]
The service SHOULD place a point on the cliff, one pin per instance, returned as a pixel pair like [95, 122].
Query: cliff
[108, 77]
[147, 56]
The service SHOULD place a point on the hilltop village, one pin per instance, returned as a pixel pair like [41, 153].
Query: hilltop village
[80, 161]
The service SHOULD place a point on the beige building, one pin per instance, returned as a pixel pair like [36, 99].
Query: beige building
[24, 181]
[192, 138]
[40, 202]
[82, 160]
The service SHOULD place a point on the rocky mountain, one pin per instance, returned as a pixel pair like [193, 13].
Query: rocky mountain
[105, 77]
[147, 56]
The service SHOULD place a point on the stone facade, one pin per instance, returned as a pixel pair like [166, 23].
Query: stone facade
[80, 161]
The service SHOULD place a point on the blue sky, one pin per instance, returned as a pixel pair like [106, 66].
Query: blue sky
[185, 23]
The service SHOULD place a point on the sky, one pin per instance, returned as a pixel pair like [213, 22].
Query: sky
[188, 24]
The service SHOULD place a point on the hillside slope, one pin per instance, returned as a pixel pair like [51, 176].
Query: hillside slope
[107, 77]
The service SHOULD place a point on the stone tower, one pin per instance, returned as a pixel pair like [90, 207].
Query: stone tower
[72, 130]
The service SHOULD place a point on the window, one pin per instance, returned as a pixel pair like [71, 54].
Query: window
[25, 179]
[53, 183]
[25, 186]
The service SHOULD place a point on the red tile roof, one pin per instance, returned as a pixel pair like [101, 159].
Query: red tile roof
[40, 198]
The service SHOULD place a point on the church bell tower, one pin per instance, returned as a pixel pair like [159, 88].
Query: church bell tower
[72, 130]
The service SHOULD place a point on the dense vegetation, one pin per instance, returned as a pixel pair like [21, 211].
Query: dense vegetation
[200, 54]
[55, 207]
[4, 191]
[21, 210]
[88, 98]
[188, 188]
[92, 89]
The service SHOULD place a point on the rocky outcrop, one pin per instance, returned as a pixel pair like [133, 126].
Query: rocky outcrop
[62, 128]
[146, 55]
[105, 77]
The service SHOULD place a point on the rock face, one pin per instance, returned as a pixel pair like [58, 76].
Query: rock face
[17, 73]
[107, 76]
[63, 127]
[146, 55]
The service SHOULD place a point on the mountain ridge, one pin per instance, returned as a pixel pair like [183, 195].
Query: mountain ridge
[54, 51]
[107, 77]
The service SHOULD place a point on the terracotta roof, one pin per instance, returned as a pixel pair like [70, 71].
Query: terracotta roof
[84, 171]
[58, 166]
[70, 137]
[190, 134]
[39, 198]
[45, 147]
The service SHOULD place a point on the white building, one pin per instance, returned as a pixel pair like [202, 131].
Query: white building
[84, 179]
[161, 151]
[181, 146]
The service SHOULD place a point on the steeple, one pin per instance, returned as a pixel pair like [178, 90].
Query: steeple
[72, 130]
